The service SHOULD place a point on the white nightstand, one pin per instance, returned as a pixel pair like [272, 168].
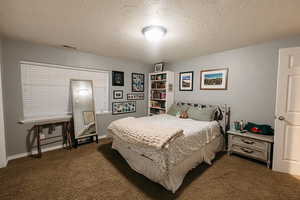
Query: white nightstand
[251, 145]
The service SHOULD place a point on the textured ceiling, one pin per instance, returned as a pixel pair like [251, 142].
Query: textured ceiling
[113, 27]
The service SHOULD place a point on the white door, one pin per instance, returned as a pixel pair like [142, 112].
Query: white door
[287, 124]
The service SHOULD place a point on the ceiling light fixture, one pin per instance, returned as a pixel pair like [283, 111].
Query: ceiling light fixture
[154, 33]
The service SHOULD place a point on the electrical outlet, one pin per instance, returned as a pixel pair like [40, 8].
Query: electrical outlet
[42, 136]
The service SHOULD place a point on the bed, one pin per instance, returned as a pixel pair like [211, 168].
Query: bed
[167, 163]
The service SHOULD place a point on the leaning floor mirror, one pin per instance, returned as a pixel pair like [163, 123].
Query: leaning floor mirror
[83, 107]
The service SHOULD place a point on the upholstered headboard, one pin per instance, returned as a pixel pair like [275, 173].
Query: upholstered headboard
[222, 115]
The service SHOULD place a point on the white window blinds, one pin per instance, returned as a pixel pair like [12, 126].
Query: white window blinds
[46, 89]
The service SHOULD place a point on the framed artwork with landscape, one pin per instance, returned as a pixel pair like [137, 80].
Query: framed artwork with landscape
[186, 81]
[214, 79]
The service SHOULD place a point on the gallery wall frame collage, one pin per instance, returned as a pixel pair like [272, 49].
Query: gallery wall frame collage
[211, 79]
[137, 92]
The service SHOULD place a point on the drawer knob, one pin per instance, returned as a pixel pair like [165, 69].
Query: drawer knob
[247, 141]
[246, 150]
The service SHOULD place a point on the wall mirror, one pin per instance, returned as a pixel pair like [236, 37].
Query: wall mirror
[83, 107]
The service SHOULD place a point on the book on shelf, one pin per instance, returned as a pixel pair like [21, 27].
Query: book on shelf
[158, 104]
[158, 95]
[158, 85]
[158, 77]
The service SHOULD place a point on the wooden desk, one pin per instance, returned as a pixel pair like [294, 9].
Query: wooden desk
[50, 122]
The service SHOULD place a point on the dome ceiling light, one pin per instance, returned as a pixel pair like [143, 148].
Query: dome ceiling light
[154, 33]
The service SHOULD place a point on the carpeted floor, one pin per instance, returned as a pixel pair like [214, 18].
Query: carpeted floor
[97, 172]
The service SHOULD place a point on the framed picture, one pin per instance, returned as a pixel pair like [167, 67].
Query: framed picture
[135, 96]
[214, 79]
[117, 78]
[186, 81]
[159, 67]
[123, 107]
[118, 94]
[138, 82]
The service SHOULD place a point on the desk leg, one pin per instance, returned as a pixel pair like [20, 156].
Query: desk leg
[38, 138]
[64, 135]
[97, 139]
[69, 134]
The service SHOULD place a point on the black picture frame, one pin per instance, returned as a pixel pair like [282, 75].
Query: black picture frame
[137, 82]
[117, 78]
[191, 74]
[135, 96]
[115, 94]
[120, 107]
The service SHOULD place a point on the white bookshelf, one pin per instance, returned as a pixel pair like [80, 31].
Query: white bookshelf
[161, 92]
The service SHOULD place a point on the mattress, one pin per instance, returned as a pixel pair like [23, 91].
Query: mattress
[168, 166]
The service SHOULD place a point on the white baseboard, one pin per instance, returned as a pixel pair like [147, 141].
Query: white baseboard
[3, 164]
[102, 137]
[21, 155]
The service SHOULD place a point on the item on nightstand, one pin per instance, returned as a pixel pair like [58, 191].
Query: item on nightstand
[239, 126]
[263, 129]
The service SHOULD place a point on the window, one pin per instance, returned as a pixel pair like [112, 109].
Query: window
[46, 89]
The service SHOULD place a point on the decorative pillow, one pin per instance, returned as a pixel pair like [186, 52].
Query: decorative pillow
[174, 109]
[202, 114]
[184, 115]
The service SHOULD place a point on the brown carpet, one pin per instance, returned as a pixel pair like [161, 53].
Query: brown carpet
[97, 172]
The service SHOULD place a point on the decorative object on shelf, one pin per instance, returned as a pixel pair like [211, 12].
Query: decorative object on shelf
[138, 82]
[123, 107]
[135, 96]
[118, 94]
[159, 67]
[214, 79]
[117, 78]
[186, 81]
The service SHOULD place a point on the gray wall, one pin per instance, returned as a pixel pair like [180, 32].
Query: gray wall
[251, 81]
[18, 139]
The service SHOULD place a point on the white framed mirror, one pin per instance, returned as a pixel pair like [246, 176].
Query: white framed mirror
[83, 107]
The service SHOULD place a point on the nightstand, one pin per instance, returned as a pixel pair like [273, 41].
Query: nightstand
[251, 145]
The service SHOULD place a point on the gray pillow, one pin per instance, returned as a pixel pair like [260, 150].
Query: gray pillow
[174, 109]
[202, 114]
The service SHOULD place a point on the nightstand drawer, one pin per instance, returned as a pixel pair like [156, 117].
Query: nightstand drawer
[262, 155]
[249, 142]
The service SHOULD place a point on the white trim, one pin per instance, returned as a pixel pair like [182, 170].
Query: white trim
[88, 68]
[102, 137]
[21, 155]
[3, 157]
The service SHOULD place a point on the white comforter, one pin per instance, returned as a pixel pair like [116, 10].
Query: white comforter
[140, 132]
[165, 170]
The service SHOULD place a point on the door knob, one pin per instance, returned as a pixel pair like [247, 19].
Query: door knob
[281, 118]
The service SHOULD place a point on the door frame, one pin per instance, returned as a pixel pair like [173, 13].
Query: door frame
[3, 156]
